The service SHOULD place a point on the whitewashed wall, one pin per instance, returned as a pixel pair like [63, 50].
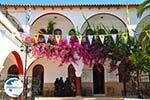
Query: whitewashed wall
[76, 14]
[51, 69]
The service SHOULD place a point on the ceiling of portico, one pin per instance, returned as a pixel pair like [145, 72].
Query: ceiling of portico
[12, 19]
[61, 21]
[107, 20]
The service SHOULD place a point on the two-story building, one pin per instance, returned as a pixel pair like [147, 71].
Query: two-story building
[66, 15]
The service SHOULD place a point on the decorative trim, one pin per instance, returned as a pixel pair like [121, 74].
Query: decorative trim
[19, 62]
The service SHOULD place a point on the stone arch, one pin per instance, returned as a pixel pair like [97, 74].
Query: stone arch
[19, 62]
[38, 80]
[32, 63]
[107, 19]
[58, 18]
[12, 62]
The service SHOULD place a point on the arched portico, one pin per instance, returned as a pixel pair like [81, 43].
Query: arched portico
[13, 66]
[42, 21]
[107, 19]
[13, 59]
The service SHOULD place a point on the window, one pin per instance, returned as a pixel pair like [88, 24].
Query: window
[57, 32]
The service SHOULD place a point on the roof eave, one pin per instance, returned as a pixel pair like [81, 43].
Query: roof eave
[72, 5]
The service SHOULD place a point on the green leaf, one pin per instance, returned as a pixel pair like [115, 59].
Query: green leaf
[145, 5]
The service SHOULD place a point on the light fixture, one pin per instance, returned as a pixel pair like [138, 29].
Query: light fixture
[27, 49]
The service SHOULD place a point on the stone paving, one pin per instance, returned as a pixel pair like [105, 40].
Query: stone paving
[78, 98]
[86, 98]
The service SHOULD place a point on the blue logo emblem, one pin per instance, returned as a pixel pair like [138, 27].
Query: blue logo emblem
[13, 87]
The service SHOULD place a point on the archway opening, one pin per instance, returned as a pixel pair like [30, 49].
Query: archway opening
[98, 79]
[103, 21]
[71, 73]
[13, 71]
[37, 80]
[58, 19]
[72, 78]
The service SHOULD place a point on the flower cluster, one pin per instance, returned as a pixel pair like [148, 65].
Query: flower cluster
[69, 51]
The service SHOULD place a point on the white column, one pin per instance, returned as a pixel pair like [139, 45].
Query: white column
[78, 71]
[79, 65]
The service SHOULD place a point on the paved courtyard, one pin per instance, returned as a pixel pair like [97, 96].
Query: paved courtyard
[86, 98]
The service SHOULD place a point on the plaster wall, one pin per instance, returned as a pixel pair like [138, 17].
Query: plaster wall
[8, 62]
[75, 14]
[7, 46]
[51, 69]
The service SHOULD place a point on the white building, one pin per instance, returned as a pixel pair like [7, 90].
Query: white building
[67, 15]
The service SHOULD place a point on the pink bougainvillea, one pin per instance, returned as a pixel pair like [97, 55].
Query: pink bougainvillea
[68, 52]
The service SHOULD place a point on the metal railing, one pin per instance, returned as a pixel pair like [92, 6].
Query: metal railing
[144, 87]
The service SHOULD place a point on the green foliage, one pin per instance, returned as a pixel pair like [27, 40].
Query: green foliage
[145, 5]
[122, 48]
[136, 58]
[49, 30]
[50, 27]
[143, 60]
[88, 24]
[145, 43]
[143, 38]
[72, 32]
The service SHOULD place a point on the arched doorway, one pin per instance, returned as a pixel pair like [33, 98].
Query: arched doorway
[72, 78]
[13, 71]
[37, 80]
[98, 79]
[71, 73]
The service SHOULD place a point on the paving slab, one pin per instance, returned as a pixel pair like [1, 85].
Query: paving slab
[78, 98]
[86, 98]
